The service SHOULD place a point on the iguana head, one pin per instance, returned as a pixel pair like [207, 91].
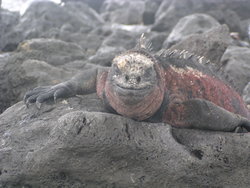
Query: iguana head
[135, 84]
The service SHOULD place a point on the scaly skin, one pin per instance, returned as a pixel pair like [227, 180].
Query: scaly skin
[174, 87]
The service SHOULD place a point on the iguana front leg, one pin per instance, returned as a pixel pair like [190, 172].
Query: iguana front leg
[202, 114]
[84, 83]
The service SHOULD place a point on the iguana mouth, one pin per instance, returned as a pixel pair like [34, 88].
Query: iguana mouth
[131, 88]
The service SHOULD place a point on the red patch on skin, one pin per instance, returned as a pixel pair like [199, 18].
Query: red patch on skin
[185, 84]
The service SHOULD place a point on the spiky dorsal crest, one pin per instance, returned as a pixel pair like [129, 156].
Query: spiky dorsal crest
[187, 58]
[143, 43]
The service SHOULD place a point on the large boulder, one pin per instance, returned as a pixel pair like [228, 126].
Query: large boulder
[105, 55]
[211, 44]
[191, 24]
[37, 62]
[95, 4]
[236, 62]
[70, 144]
[121, 38]
[123, 11]
[45, 19]
[226, 12]
[8, 20]
[151, 8]
[170, 11]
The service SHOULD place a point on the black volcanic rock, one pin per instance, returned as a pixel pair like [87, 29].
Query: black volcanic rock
[8, 40]
[188, 25]
[211, 44]
[69, 144]
[37, 62]
[236, 61]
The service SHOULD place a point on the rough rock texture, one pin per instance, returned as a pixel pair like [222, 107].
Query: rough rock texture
[236, 62]
[105, 55]
[226, 12]
[149, 13]
[156, 39]
[49, 20]
[123, 11]
[8, 21]
[95, 4]
[211, 44]
[63, 145]
[121, 38]
[227, 16]
[191, 24]
[169, 13]
[37, 62]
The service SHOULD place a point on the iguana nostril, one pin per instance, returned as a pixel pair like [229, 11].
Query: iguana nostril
[126, 78]
[138, 79]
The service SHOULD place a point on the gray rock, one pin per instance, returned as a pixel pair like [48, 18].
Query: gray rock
[9, 40]
[149, 13]
[227, 16]
[242, 8]
[4, 100]
[245, 28]
[211, 44]
[53, 51]
[191, 24]
[236, 61]
[156, 39]
[121, 38]
[171, 11]
[63, 145]
[246, 94]
[70, 22]
[123, 11]
[37, 62]
[95, 4]
[42, 17]
[105, 55]
[89, 42]
[226, 12]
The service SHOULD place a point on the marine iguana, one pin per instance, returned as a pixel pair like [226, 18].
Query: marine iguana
[175, 87]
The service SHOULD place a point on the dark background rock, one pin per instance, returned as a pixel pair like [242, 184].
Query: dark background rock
[211, 44]
[49, 20]
[8, 40]
[121, 38]
[226, 12]
[105, 55]
[191, 24]
[236, 62]
[149, 13]
[123, 11]
[95, 4]
[37, 62]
